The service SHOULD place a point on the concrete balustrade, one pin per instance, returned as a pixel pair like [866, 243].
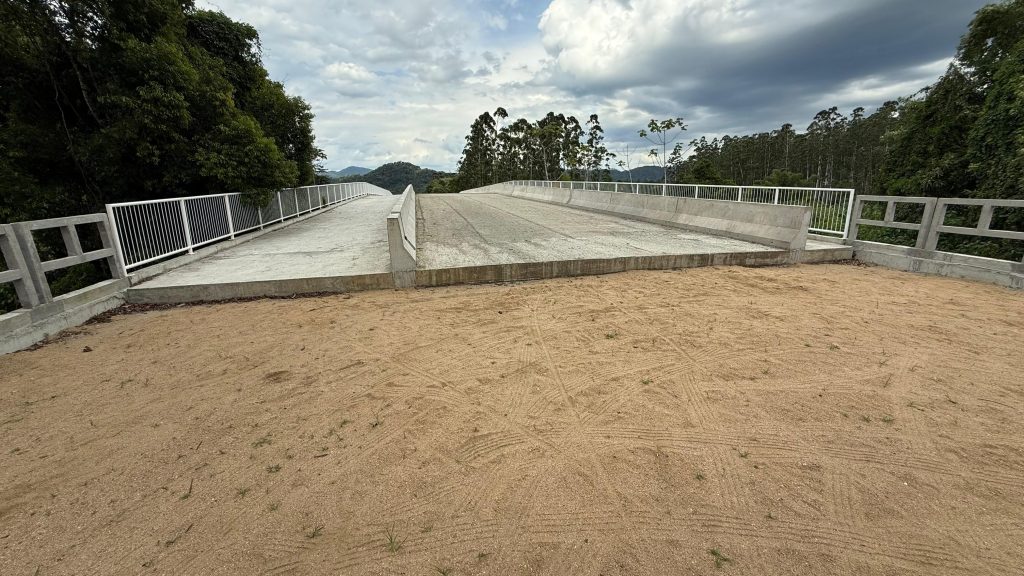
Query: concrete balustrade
[41, 313]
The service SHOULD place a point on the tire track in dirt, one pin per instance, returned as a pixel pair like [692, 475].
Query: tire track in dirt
[701, 410]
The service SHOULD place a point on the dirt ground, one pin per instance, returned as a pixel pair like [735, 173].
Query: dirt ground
[805, 420]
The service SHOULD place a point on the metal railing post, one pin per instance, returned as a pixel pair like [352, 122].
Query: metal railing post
[740, 198]
[280, 206]
[188, 231]
[231, 222]
[776, 196]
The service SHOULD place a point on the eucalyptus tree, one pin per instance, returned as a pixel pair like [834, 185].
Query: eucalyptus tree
[573, 154]
[598, 156]
[662, 134]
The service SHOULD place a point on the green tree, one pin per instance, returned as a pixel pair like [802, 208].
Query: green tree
[663, 134]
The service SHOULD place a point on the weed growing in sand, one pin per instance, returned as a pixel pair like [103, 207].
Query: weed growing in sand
[262, 442]
[480, 556]
[315, 532]
[241, 492]
[274, 468]
[744, 453]
[392, 544]
[720, 559]
[426, 529]
[888, 419]
[833, 347]
[646, 381]
[865, 418]
[344, 422]
[611, 335]
[443, 571]
[274, 506]
[376, 420]
[700, 476]
[769, 516]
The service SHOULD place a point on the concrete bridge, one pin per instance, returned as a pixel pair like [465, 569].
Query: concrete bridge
[347, 237]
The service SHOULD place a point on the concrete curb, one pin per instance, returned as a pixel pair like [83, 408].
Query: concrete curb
[525, 271]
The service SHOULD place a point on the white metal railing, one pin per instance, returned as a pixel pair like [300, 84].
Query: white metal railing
[153, 230]
[831, 208]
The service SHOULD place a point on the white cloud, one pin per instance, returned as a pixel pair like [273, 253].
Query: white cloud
[396, 80]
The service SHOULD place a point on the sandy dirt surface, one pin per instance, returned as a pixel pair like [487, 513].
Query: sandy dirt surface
[806, 420]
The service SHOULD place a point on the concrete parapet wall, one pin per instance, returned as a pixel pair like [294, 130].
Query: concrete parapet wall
[1000, 272]
[782, 227]
[402, 239]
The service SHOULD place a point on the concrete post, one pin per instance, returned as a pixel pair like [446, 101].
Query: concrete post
[10, 247]
[115, 239]
[71, 241]
[109, 241]
[280, 206]
[926, 223]
[855, 214]
[937, 220]
[33, 270]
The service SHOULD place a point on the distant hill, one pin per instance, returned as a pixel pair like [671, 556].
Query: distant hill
[350, 171]
[396, 176]
[640, 174]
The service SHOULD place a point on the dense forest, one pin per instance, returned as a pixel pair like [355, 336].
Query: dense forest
[113, 100]
[120, 100]
[395, 176]
[962, 136]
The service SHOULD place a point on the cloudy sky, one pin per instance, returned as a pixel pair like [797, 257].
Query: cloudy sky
[395, 80]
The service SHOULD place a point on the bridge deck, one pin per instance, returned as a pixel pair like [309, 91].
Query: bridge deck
[463, 238]
[489, 237]
[340, 249]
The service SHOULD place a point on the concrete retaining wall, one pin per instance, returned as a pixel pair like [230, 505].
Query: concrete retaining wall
[782, 227]
[402, 239]
[1000, 272]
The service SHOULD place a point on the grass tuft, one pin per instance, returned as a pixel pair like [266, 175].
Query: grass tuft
[392, 543]
[720, 559]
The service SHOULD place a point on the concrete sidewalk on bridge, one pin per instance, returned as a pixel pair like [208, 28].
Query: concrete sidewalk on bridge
[467, 238]
[340, 250]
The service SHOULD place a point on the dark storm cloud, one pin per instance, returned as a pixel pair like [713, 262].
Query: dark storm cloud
[759, 83]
